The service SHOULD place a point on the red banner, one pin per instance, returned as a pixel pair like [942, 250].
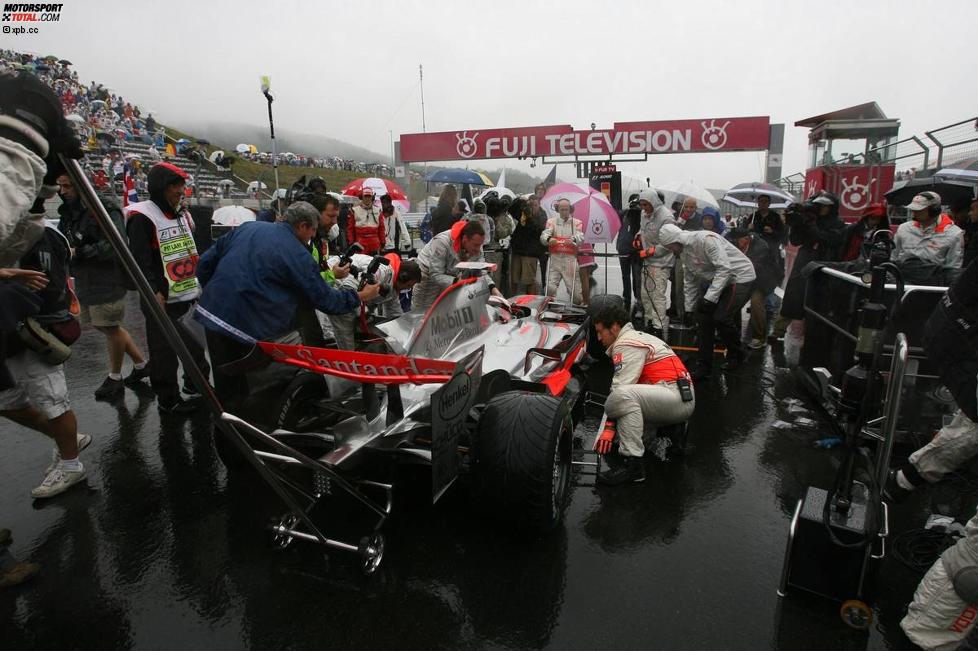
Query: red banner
[663, 137]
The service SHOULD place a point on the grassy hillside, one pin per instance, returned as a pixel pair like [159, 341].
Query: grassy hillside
[250, 170]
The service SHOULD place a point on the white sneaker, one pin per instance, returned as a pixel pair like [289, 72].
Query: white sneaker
[756, 344]
[58, 481]
[84, 440]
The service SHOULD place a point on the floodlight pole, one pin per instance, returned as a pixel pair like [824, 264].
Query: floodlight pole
[271, 128]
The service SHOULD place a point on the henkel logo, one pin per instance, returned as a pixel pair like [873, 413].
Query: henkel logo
[855, 195]
[714, 137]
[467, 145]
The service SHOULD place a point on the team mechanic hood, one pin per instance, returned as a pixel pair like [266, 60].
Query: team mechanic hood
[160, 176]
[650, 195]
[672, 234]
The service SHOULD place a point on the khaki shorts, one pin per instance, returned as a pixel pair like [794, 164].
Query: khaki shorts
[524, 271]
[104, 315]
[38, 383]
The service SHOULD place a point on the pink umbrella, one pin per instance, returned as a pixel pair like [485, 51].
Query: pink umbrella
[601, 221]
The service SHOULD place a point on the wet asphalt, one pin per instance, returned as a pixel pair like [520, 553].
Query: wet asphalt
[161, 549]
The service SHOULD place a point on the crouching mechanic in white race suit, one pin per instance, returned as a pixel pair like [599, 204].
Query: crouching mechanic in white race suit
[395, 277]
[562, 235]
[709, 259]
[656, 260]
[945, 605]
[650, 386]
[437, 260]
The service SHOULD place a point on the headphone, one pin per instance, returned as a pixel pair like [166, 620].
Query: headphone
[555, 203]
[934, 210]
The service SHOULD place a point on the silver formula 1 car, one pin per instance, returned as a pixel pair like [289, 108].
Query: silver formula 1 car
[474, 387]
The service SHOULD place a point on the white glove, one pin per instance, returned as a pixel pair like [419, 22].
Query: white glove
[504, 243]
[500, 302]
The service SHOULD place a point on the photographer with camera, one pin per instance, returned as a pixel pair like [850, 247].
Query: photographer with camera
[100, 286]
[391, 274]
[255, 279]
[628, 244]
[526, 245]
[816, 229]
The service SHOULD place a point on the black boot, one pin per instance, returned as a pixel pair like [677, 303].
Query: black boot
[625, 470]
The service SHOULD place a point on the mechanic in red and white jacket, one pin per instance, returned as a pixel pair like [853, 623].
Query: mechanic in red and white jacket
[650, 385]
[562, 236]
[365, 224]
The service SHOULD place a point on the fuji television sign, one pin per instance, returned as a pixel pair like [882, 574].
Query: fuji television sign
[663, 137]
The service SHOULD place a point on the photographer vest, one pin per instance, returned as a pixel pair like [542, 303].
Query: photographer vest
[178, 251]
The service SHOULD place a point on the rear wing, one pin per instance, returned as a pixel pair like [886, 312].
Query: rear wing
[369, 368]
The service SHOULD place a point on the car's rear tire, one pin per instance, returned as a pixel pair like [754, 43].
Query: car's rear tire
[296, 411]
[522, 455]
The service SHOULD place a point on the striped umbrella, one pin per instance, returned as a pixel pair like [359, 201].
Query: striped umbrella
[745, 195]
[599, 217]
[965, 169]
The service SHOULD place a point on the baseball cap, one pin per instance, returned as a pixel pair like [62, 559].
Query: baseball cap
[367, 190]
[877, 209]
[925, 200]
[823, 200]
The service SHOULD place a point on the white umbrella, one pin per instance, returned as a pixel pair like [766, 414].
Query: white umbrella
[232, 216]
[254, 186]
[680, 190]
[500, 192]
[745, 195]
[226, 183]
[216, 156]
[74, 117]
[242, 148]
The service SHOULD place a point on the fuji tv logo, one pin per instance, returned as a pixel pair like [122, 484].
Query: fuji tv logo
[467, 145]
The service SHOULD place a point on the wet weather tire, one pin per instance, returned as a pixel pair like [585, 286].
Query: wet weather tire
[296, 411]
[523, 457]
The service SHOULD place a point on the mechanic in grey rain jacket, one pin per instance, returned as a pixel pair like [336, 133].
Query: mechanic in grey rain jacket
[709, 259]
[461, 243]
[656, 260]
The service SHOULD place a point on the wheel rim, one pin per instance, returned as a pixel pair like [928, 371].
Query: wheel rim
[373, 553]
[558, 486]
[281, 540]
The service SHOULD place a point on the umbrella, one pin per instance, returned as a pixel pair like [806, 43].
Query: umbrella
[745, 195]
[108, 137]
[215, 156]
[203, 141]
[254, 186]
[97, 104]
[380, 186]
[243, 148]
[459, 175]
[232, 216]
[74, 117]
[500, 191]
[65, 62]
[950, 191]
[681, 190]
[183, 141]
[965, 169]
[601, 221]
[226, 183]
